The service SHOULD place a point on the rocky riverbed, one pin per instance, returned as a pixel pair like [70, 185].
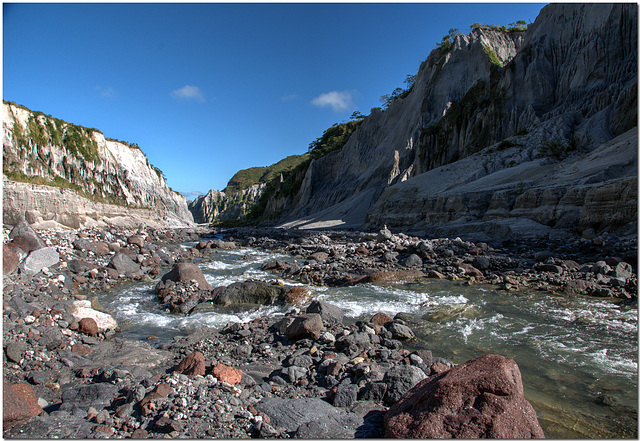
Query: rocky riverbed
[311, 374]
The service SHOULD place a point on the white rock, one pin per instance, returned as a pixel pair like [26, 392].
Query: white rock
[82, 309]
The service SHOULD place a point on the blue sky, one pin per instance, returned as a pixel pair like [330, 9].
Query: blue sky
[207, 89]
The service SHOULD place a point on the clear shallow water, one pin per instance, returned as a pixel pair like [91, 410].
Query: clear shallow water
[572, 351]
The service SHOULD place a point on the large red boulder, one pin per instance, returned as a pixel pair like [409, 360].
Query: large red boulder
[185, 272]
[19, 404]
[482, 398]
[192, 365]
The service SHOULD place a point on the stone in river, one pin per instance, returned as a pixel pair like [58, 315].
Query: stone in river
[483, 398]
[185, 272]
[380, 319]
[88, 326]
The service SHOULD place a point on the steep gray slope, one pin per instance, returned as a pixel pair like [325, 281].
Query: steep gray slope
[224, 206]
[37, 146]
[562, 89]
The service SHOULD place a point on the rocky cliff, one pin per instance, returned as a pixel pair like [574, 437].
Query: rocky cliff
[221, 205]
[514, 128]
[79, 162]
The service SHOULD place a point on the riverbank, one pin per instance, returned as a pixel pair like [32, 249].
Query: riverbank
[91, 386]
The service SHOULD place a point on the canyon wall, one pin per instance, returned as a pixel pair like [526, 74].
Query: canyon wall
[40, 149]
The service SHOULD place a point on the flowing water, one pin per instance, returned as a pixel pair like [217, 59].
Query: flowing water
[578, 356]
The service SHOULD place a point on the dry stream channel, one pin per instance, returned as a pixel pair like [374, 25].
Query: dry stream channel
[578, 355]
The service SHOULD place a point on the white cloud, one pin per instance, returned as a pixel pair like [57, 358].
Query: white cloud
[106, 92]
[189, 93]
[293, 96]
[338, 101]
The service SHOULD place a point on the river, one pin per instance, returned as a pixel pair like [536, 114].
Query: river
[578, 355]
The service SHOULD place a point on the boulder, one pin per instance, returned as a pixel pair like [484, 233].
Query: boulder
[39, 259]
[185, 272]
[469, 270]
[380, 319]
[136, 239]
[399, 380]
[124, 265]
[483, 398]
[10, 260]
[22, 243]
[298, 295]
[399, 331]
[192, 365]
[98, 396]
[305, 326]
[24, 230]
[248, 292]
[227, 374]
[328, 312]
[81, 309]
[413, 260]
[88, 326]
[19, 404]
[388, 276]
[623, 270]
[310, 418]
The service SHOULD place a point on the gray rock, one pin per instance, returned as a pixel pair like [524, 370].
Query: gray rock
[623, 270]
[399, 380]
[390, 257]
[413, 260]
[329, 313]
[399, 331]
[481, 262]
[248, 292]
[39, 259]
[346, 395]
[124, 265]
[97, 395]
[326, 421]
[15, 351]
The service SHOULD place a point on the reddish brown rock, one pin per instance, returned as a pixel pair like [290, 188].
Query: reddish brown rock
[470, 270]
[298, 295]
[19, 404]
[227, 374]
[80, 349]
[88, 326]
[482, 398]
[184, 272]
[10, 260]
[21, 242]
[305, 326]
[381, 318]
[362, 251]
[192, 365]
[147, 404]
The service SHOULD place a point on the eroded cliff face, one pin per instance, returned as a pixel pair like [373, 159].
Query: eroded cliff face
[497, 100]
[218, 205]
[40, 148]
